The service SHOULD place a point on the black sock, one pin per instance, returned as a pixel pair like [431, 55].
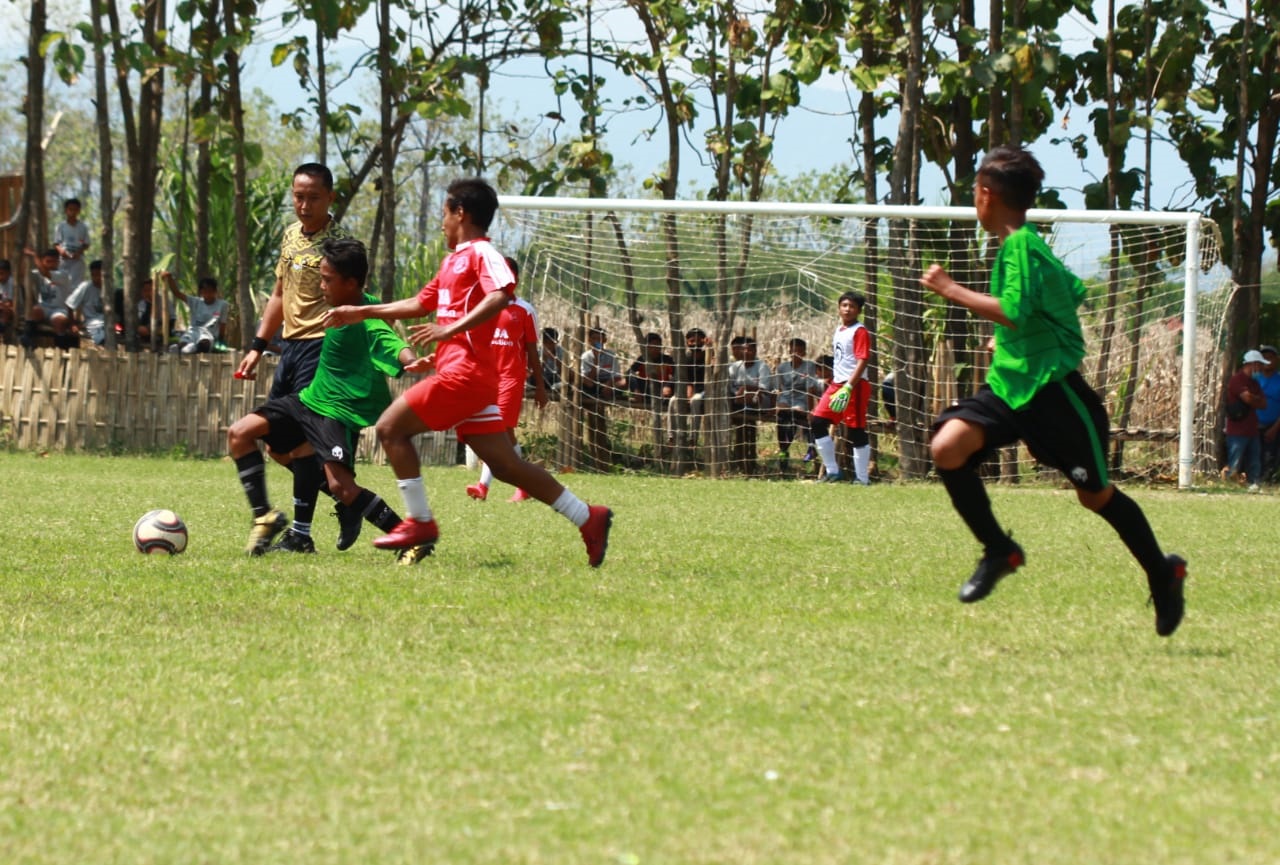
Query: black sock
[969, 498]
[376, 511]
[253, 477]
[308, 476]
[1131, 524]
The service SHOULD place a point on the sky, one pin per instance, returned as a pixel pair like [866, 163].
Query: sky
[820, 125]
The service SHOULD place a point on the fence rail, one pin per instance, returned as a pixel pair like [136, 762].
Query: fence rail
[95, 400]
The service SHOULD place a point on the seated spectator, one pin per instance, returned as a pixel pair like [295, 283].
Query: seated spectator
[750, 396]
[798, 388]
[6, 300]
[598, 367]
[889, 396]
[207, 316]
[692, 380]
[85, 304]
[552, 363]
[649, 379]
[50, 306]
[146, 289]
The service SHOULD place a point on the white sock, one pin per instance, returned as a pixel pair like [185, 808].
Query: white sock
[486, 475]
[862, 464]
[826, 447]
[414, 493]
[572, 507]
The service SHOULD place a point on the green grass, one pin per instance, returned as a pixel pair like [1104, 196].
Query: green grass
[759, 673]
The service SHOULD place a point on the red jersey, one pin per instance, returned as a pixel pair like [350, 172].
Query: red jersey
[517, 328]
[467, 275]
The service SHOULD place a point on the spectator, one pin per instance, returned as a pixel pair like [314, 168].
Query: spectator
[1269, 417]
[750, 381]
[797, 385]
[6, 299]
[601, 383]
[1244, 398]
[206, 316]
[146, 293]
[889, 396]
[693, 382]
[649, 378]
[71, 239]
[552, 364]
[50, 306]
[86, 304]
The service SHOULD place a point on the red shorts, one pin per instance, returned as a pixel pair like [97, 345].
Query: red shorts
[445, 402]
[510, 401]
[855, 413]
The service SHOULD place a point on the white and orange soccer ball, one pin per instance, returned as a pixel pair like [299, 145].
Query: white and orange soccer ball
[160, 531]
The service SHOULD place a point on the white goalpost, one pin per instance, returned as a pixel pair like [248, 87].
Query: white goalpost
[771, 273]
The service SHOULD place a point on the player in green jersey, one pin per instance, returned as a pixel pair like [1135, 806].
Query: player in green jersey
[348, 392]
[1034, 392]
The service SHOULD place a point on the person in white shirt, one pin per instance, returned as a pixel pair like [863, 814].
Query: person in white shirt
[207, 315]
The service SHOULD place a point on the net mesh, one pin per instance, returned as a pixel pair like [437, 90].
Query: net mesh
[775, 277]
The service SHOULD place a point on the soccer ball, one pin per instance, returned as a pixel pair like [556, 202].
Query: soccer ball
[160, 531]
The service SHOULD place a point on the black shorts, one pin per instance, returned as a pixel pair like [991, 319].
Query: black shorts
[1065, 427]
[293, 424]
[298, 361]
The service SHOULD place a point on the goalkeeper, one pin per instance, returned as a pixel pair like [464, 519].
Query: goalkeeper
[1034, 392]
[846, 398]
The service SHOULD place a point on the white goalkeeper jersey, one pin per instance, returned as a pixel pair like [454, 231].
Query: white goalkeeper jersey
[849, 345]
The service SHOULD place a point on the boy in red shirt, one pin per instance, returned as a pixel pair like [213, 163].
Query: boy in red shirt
[515, 346]
[472, 286]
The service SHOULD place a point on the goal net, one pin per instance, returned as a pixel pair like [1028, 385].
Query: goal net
[606, 275]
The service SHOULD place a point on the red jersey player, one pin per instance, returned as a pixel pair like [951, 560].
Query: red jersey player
[515, 345]
[846, 398]
[472, 286]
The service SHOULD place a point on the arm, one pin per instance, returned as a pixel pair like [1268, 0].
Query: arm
[173, 285]
[937, 280]
[395, 311]
[272, 315]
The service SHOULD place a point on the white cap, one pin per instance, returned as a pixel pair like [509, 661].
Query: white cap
[1254, 356]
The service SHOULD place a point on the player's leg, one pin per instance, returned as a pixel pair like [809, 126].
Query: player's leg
[1070, 432]
[594, 521]
[856, 419]
[396, 428]
[242, 445]
[962, 435]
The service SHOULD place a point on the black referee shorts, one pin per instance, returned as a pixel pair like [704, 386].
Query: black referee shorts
[1065, 426]
[296, 367]
[293, 424]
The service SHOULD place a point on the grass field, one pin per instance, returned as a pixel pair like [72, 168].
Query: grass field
[759, 673]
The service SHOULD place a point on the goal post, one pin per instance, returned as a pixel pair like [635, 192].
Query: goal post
[770, 273]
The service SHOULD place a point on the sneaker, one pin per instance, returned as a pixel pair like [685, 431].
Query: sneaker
[520, 496]
[293, 542]
[350, 522]
[991, 569]
[409, 533]
[264, 530]
[835, 478]
[595, 533]
[1166, 595]
[414, 554]
[479, 492]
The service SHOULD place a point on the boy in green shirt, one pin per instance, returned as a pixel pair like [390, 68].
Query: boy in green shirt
[1034, 392]
[321, 424]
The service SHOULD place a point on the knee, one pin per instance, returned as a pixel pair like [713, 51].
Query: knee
[1095, 500]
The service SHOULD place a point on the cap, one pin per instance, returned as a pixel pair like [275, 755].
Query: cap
[1269, 348]
[1254, 356]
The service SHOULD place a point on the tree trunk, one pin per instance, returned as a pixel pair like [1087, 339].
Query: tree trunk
[235, 106]
[33, 217]
[387, 199]
[106, 177]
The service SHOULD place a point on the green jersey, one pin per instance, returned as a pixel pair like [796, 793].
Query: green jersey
[1039, 296]
[350, 384]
